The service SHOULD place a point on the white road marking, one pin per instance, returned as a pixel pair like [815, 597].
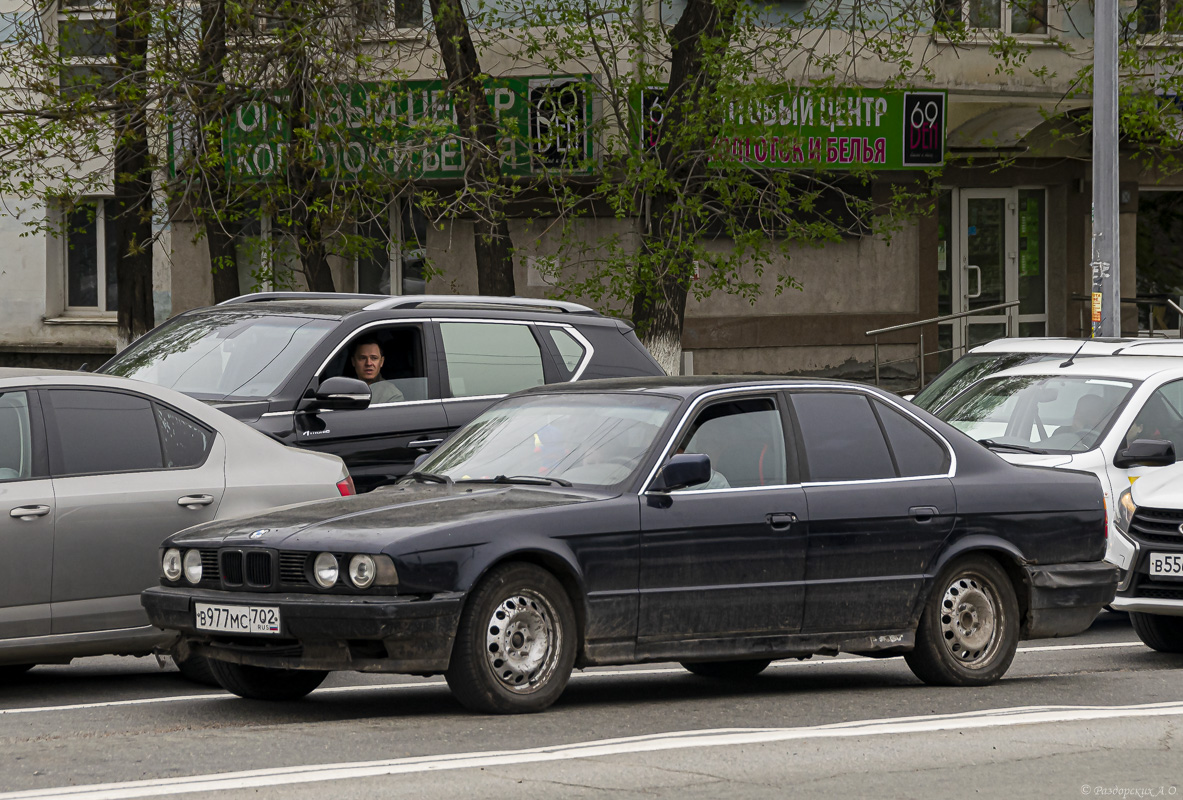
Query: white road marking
[677, 740]
[844, 659]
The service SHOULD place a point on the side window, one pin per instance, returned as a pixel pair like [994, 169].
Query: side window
[487, 358]
[1161, 417]
[570, 351]
[103, 432]
[186, 444]
[842, 438]
[390, 360]
[745, 441]
[916, 451]
[16, 437]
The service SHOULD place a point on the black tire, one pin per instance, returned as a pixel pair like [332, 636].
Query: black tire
[197, 669]
[728, 670]
[516, 643]
[1159, 632]
[9, 672]
[975, 645]
[265, 683]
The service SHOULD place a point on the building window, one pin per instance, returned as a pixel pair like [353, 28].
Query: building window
[395, 262]
[90, 243]
[1160, 16]
[1014, 17]
[381, 14]
[86, 44]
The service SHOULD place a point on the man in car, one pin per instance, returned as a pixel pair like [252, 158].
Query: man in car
[367, 363]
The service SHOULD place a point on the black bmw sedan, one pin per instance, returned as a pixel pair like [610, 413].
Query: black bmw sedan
[720, 523]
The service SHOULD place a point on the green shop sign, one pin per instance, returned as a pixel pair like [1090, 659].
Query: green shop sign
[832, 129]
[409, 130]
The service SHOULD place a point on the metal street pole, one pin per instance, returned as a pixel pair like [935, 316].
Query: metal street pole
[1106, 305]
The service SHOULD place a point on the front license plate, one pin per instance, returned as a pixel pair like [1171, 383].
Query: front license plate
[1168, 565]
[237, 619]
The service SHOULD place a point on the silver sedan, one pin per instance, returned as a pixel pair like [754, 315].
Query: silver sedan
[95, 472]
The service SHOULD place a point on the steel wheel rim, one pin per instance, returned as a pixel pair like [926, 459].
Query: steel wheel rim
[522, 642]
[970, 621]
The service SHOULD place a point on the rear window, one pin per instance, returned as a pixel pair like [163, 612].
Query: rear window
[222, 355]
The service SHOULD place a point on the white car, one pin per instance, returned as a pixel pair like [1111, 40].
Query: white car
[1001, 354]
[1083, 415]
[1150, 517]
[95, 472]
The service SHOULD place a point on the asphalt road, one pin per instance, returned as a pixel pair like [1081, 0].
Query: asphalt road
[1096, 715]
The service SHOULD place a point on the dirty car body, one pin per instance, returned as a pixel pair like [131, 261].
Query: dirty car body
[720, 523]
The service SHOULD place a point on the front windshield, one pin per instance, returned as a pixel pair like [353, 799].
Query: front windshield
[587, 439]
[219, 355]
[968, 370]
[1049, 414]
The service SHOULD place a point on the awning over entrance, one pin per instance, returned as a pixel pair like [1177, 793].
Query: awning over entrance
[1000, 128]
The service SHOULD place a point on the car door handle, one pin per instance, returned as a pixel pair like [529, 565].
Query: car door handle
[781, 522]
[425, 443]
[195, 500]
[923, 513]
[28, 512]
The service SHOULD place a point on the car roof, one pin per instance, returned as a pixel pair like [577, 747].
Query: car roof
[1127, 367]
[688, 385]
[334, 305]
[1090, 347]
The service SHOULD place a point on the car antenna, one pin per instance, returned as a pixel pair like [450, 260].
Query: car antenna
[1068, 363]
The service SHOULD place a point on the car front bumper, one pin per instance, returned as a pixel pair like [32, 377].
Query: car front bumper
[342, 632]
[1064, 599]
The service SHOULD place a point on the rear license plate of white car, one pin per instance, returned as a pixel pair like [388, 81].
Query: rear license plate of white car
[1166, 565]
[237, 619]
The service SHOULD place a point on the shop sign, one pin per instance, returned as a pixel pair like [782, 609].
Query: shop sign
[799, 127]
[408, 130]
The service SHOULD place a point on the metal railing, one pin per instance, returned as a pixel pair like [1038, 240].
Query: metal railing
[920, 353]
[1134, 301]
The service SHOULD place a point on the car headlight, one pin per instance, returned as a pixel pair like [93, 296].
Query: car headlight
[362, 571]
[192, 565]
[325, 570]
[171, 564]
[1126, 507]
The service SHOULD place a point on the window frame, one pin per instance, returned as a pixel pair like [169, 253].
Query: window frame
[64, 11]
[100, 223]
[1006, 13]
[550, 372]
[434, 392]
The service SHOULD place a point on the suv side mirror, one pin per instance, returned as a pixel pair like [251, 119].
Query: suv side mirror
[342, 394]
[681, 471]
[1146, 453]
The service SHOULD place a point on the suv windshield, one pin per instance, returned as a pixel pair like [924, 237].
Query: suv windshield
[219, 355]
[969, 369]
[1048, 414]
[589, 439]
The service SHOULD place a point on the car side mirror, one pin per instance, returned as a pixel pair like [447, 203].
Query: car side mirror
[1146, 453]
[682, 471]
[421, 458]
[342, 393]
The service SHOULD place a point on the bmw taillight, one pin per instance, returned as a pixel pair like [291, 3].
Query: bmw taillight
[346, 487]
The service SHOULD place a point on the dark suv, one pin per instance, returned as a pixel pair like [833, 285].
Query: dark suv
[283, 363]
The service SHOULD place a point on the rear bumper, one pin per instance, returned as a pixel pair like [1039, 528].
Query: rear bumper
[1066, 598]
[369, 634]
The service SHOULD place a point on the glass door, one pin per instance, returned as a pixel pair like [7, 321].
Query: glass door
[992, 250]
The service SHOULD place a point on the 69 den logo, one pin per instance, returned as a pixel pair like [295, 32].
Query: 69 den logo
[924, 129]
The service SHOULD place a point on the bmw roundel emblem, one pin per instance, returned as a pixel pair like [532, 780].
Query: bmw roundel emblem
[259, 533]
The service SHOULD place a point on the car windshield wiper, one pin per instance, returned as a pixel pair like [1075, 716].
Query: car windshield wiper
[1021, 448]
[529, 480]
[431, 477]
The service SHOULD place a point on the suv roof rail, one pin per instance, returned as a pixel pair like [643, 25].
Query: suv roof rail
[478, 301]
[263, 297]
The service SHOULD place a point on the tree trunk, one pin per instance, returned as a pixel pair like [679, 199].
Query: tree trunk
[133, 173]
[659, 307]
[494, 248]
[211, 110]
